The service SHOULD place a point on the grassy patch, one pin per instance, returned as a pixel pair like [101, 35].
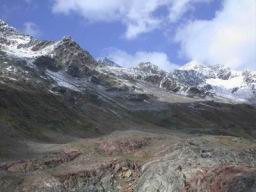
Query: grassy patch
[34, 113]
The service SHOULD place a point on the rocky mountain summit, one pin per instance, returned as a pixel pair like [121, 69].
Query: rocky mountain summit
[70, 122]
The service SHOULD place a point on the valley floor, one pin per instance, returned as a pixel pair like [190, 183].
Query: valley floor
[134, 160]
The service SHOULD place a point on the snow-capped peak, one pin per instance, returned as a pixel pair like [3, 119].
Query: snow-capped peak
[149, 68]
[6, 29]
[236, 85]
[20, 45]
[193, 65]
[209, 71]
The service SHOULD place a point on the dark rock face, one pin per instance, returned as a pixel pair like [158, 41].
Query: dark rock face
[95, 80]
[194, 91]
[207, 87]
[74, 59]
[189, 78]
[149, 68]
[235, 90]
[37, 44]
[248, 77]
[170, 84]
[4, 41]
[225, 75]
[75, 71]
[108, 62]
[46, 62]
[155, 79]
[221, 72]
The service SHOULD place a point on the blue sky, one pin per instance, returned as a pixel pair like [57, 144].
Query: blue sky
[167, 32]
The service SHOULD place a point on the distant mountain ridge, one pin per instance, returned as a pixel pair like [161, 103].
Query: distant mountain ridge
[192, 79]
[198, 80]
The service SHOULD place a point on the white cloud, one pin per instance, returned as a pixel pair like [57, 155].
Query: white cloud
[179, 7]
[229, 39]
[31, 28]
[130, 60]
[138, 15]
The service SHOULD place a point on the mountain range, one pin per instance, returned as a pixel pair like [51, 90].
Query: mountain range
[192, 79]
[70, 122]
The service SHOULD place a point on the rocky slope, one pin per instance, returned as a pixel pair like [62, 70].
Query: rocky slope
[71, 123]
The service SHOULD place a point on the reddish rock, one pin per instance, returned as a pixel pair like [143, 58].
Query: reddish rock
[123, 147]
[52, 160]
[223, 179]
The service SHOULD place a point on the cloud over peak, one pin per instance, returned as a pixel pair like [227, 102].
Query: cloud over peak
[130, 60]
[137, 15]
[228, 39]
[31, 28]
